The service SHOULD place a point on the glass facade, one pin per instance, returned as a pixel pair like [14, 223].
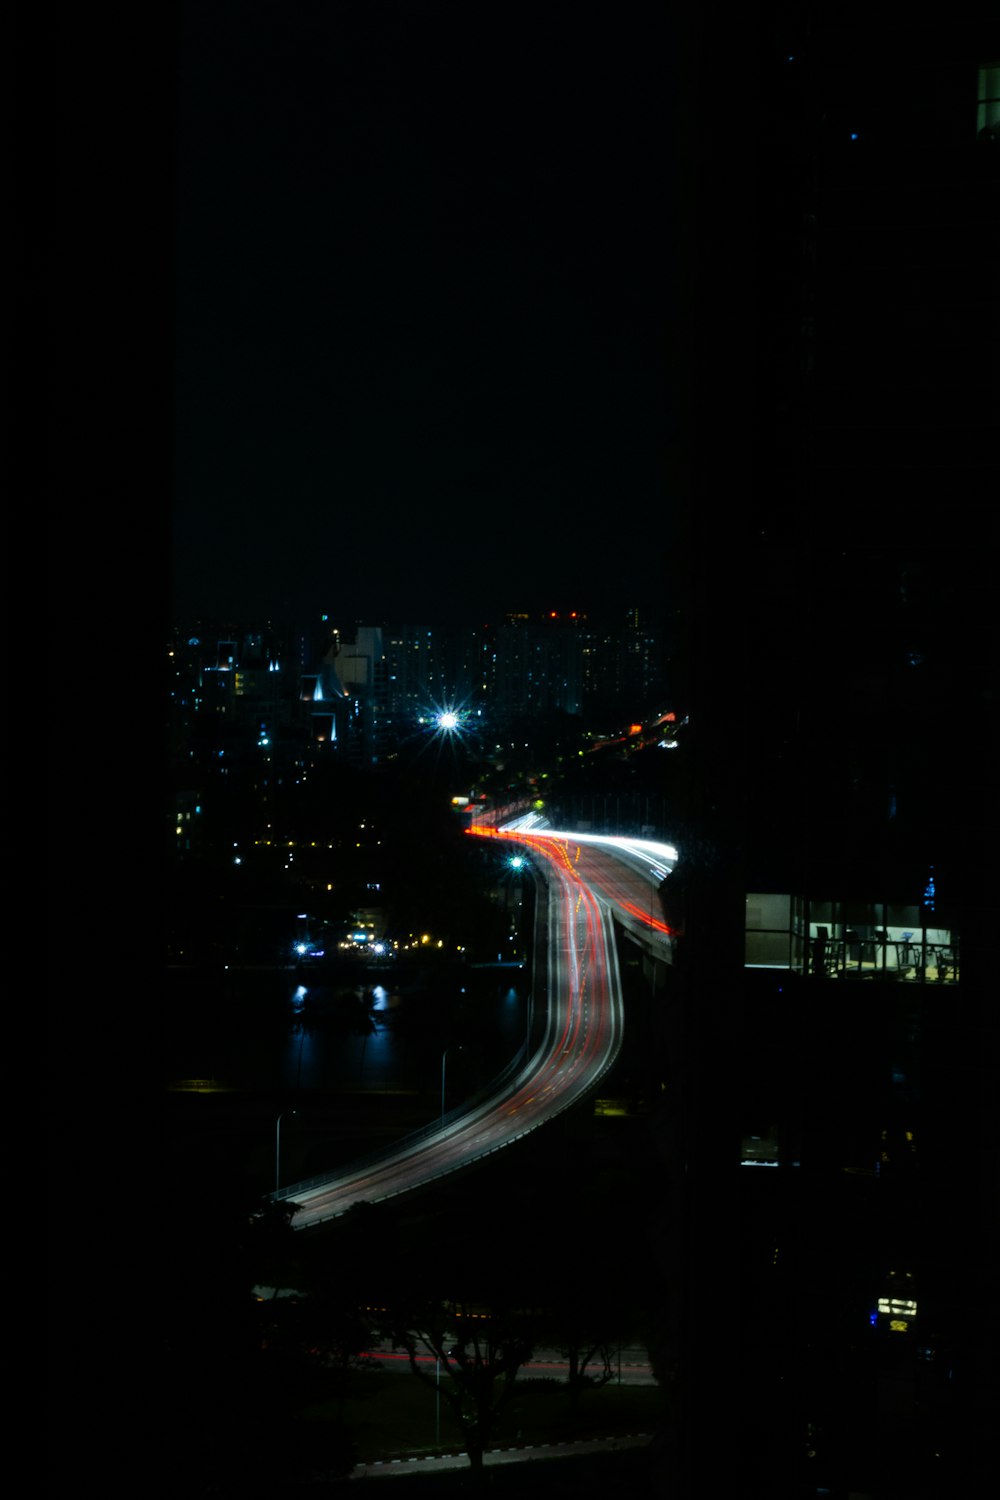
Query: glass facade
[849, 939]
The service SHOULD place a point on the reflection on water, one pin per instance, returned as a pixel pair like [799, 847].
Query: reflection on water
[260, 1032]
[403, 1050]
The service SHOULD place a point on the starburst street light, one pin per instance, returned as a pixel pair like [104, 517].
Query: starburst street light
[451, 720]
[449, 727]
[446, 719]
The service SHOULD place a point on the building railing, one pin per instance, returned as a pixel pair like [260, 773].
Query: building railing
[849, 940]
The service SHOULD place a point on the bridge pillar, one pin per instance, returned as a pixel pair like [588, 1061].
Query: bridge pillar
[654, 970]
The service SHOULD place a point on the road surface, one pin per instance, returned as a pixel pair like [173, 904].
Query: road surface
[630, 1364]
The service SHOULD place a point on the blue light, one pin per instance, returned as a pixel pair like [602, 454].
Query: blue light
[873, 1319]
[854, 135]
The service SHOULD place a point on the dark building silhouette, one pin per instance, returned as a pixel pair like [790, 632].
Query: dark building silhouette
[827, 1027]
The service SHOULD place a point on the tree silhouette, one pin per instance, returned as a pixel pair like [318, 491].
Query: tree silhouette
[590, 1365]
[479, 1356]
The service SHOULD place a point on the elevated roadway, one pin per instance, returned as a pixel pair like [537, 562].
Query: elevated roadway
[592, 881]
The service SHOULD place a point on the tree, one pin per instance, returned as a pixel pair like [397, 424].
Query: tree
[581, 1353]
[478, 1356]
[269, 1247]
[585, 1323]
[586, 1318]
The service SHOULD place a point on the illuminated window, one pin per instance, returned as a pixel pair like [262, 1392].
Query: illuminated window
[988, 100]
[897, 1305]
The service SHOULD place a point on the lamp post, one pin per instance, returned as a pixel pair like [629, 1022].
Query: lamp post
[518, 863]
[437, 1360]
[444, 1056]
[277, 1148]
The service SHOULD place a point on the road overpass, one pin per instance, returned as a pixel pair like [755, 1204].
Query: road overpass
[593, 881]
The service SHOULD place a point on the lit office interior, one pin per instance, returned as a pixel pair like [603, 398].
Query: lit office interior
[848, 939]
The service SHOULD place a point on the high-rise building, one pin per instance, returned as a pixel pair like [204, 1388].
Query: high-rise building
[827, 1021]
[539, 664]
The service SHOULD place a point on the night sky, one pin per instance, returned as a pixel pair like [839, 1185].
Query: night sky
[424, 305]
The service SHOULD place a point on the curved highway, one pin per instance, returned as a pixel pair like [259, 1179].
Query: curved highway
[590, 880]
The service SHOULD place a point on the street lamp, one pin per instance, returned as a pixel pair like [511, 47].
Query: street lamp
[277, 1148]
[437, 1361]
[444, 1056]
